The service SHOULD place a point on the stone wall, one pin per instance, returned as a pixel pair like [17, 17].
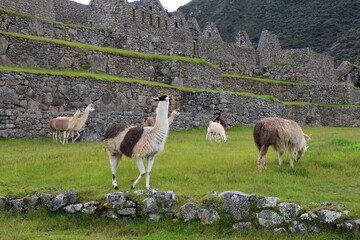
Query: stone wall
[29, 101]
[39, 8]
[70, 12]
[309, 66]
[30, 53]
[336, 93]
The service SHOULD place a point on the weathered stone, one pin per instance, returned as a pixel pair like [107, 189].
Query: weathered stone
[189, 211]
[19, 205]
[289, 210]
[4, 201]
[3, 45]
[116, 200]
[73, 208]
[165, 200]
[267, 202]
[237, 204]
[314, 229]
[328, 216]
[298, 227]
[149, 205]
[45, 198]
[62, 200]
[326, 204]
[111, 214]
[241, 225]
[269, 218]
[208, 216]
[91, 207]
[280, 230]
[154, 217]
[35, 202]
[8, 96]
[127, 211]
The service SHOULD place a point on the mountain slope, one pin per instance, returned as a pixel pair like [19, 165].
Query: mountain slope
[327, 26]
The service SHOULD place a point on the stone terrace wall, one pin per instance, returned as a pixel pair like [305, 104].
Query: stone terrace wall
[70, 12]
[316, 68]
[29, 101]
[39, 8]
[30, 53]
[340, 94]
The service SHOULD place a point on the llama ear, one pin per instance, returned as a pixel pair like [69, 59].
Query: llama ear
[156, 99]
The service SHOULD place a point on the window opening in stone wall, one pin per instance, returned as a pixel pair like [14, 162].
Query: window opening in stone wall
[196, 47]
[150, 8]
[209, 34]
[133, 14]
[176, 25]
[151, 22]
[158, 20]
[166, 25]
[241, 42]
[143, 16]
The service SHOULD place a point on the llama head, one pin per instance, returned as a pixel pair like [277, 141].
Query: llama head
[163, 98]
[90, 108]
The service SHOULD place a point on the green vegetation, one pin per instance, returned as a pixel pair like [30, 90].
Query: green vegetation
[190, 166]
[265, 79]
[128, 53]
[326, 26]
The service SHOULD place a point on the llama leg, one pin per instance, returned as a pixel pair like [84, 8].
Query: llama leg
[261, 157]
[150, 162]
[114, 162]
[140, 165]
[78, 135]
[291, 158]
[280, 156]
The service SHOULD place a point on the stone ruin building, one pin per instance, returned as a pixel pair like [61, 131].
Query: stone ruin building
[145, 26]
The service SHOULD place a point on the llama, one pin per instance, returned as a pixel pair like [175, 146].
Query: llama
[150, 121]
[216, 132]
[81, 122]
[138, 142]
[63, 124]
[220, 119]
[283, 135]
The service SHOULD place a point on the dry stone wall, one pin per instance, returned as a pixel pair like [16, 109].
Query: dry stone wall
[336, 93]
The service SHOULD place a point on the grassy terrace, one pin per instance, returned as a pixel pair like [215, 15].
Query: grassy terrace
[113, 78]
[127, 53]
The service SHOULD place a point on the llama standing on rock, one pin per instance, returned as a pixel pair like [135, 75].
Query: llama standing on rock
[81, 122]
[283, 135]
[138, 142]
[150, 121]
[64, 125]
[216, 132]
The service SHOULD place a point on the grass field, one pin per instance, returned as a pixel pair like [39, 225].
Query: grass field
[189, 166]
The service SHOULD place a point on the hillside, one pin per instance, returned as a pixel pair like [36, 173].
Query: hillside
[326, 26]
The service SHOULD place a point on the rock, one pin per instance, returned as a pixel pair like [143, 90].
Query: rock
[237, 204]
[149, 205]
[116, 200]
[189, 211]
[289, 210]
[8, 96]
[62, 200]
[154, 217]
[91, 207]
[267, 202]
[298, 227]
[208, 216]
[19, 205]
[269, 218]
[280, 230]
[314, 229]
[165, 200]
[127, 211]
[326, 204]
[35, 202]
[45, 198]
[328, 216]
[4, 201]
[111, 214]
[73, 208]
[241, 225]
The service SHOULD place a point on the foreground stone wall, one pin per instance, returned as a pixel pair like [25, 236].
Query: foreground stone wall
[336, 93]
[242, 210]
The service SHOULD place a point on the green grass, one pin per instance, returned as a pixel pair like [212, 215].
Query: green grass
[123, 52]
[190, 166]
[265, 80]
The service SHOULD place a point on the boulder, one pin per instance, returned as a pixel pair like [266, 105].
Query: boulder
[328, 216]
[267, 202]
[4, 201]
[91, 207]
[62, 200]
[149, 205]
[289, 210]
[127, 211]
[19, 205]
[208, 216]
[189, 211]
[298, 227]
[268, 218]
[154, 217]
[116, 200]
[73, 208]
[241, 225]
[237, 204]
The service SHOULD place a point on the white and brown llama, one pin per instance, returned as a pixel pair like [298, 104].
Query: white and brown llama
[63, 125]
[138, 142]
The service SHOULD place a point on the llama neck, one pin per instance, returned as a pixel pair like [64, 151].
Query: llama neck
[161, 116]
[81, 121]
